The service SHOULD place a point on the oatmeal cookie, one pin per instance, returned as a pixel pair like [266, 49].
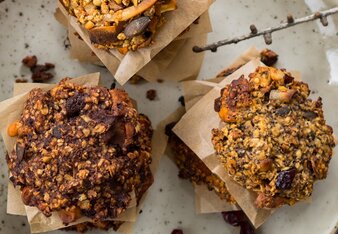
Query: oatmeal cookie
[273, 139]
[80, 151]
[192, 168]
[123, 24]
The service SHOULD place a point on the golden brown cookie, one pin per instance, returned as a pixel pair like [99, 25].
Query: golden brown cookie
[273, 139]
[123, 24]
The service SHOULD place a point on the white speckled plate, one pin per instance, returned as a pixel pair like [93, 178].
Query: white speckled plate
[28, 27]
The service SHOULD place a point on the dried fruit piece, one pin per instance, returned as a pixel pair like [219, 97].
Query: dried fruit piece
[30, 61]
[177, 231]
[151, 94]
[12, 130]
[74, 104]
[284, 96]
[269, 57]
[285, 178]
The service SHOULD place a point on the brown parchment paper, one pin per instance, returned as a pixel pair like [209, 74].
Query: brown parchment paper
[195, 130]
[207, 201]
[164, 64]
[176, 22]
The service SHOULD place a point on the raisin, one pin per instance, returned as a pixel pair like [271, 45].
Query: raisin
[30, 61]
[269, 57]
[285, 178]
[238, 218]
[151, 94]
[288, 79]
[177, 231]
[310, 115]
[74, 105]
[283, 111]
[217, 104]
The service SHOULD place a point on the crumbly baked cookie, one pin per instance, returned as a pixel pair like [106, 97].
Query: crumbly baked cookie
[80, 151]
[192, 168]
[123, 24]
[273, 139]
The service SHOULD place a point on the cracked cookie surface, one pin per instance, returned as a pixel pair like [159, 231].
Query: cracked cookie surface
[273, 139]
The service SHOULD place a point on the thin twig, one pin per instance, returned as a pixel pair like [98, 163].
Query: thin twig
[266, 33]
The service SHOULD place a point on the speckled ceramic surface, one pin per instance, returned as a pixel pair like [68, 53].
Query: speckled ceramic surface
[28, 27]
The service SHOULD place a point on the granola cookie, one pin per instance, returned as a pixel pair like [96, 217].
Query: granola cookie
[192, 168]
[273, 139]
[123, 24]
[80, 151]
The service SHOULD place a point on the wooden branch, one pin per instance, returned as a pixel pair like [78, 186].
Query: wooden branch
[267, 33]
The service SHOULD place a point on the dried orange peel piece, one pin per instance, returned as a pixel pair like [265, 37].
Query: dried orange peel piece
[172, 5]
[130, 12]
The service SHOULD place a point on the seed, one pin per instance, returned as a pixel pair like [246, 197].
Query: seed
[136, 26]
[283, 111]
[310, 115]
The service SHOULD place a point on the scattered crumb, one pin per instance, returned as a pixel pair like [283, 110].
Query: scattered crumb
[30, 61]
[21, 80]
[269, 57]
[151, 94]
[159, 80]
[39, 72]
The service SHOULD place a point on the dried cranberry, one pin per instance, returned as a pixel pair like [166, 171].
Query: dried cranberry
[288, 79]
[177, 231]
[74, 105]
[247, 228]
[235, 218]
[238, 218]
[285, 178]
[217, 104]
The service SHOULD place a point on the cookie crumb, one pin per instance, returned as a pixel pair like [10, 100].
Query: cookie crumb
[151, 94]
